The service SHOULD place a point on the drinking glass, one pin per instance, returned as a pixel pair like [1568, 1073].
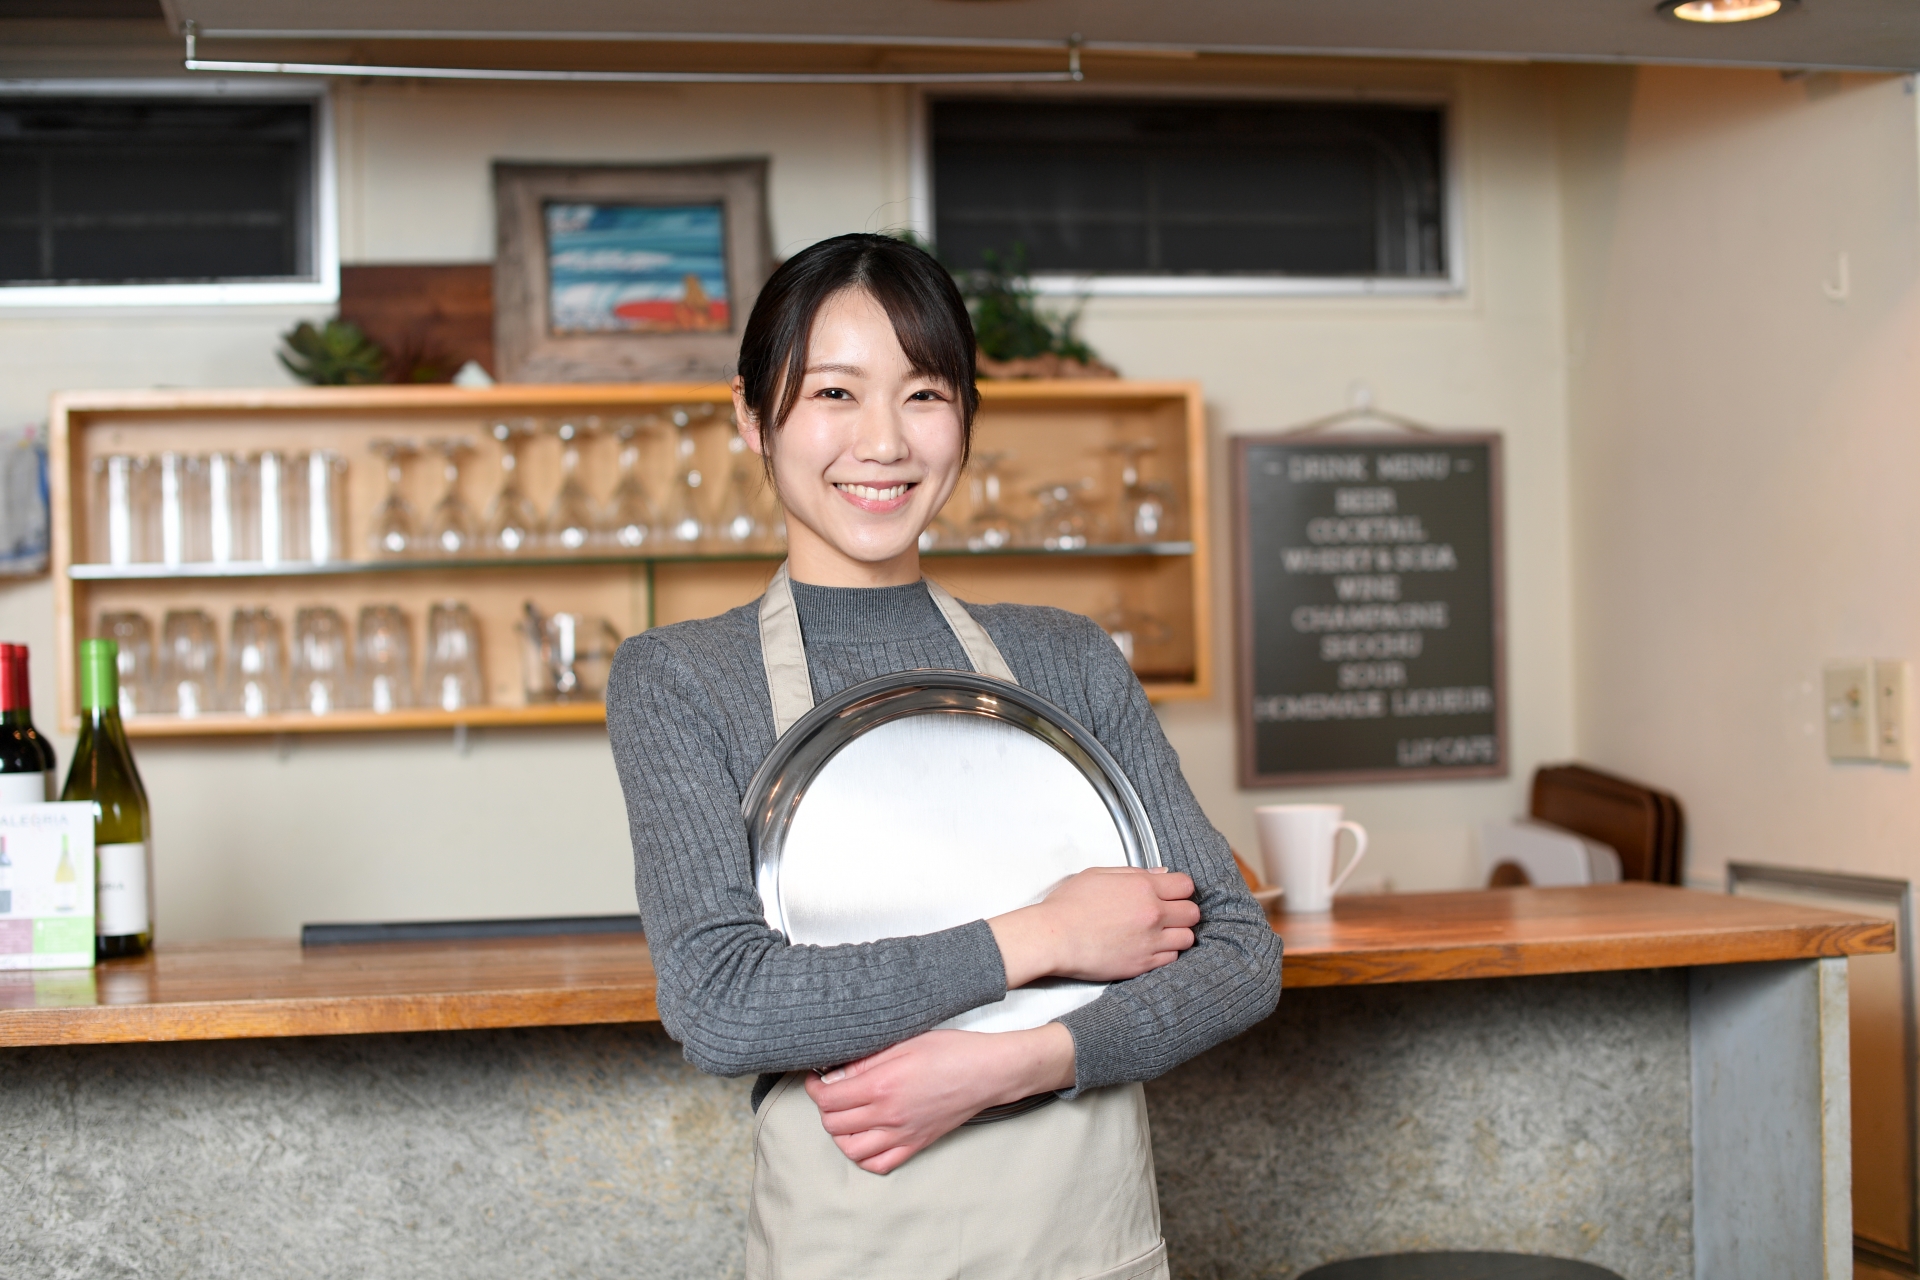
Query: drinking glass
[571, 523]
[989, 528]
[384, 654]
[630, 517]
[513, 522]
[134, 636]
[393, 528]
[188, 662]
[451, 527]
[1133, 629]
[681, 525]
[565, 657]
[326, 507]
[739, 524]
[322, 662]
[452, 677]
[1061, 523]
[1146, 507]
[180, 483]
[256, 666]
[233, 501]
[284, 515]
[125, 512]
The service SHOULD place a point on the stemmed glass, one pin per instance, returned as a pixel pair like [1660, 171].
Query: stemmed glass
[570, 525]
[739, 524]
[680, 522]
[1061, 524]
[393, 526]
[630, 517]
[451, 527]
[1146, 507]
[989, 528]
[513, 522]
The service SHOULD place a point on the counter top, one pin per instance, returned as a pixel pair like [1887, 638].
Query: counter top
[240, 990]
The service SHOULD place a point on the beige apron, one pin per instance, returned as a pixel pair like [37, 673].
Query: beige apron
[1065, 1192]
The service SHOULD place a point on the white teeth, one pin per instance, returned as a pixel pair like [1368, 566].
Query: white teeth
[872, 494]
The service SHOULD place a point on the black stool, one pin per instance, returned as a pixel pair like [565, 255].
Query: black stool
[1458, 1266]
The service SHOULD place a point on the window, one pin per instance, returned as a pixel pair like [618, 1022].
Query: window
[110, 197]
[1193, 189]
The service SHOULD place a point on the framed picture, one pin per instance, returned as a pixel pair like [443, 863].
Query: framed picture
[626, 273]
[1370, 617]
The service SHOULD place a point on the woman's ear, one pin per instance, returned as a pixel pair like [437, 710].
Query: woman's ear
[747, 424]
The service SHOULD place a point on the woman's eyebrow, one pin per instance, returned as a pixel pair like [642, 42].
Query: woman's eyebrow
[852, 369]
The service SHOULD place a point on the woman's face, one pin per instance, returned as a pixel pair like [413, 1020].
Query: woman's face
[869, 454]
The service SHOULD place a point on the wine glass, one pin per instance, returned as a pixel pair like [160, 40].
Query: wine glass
[451, 527]
[989, 528]
[630, 517]
[571, 523]
[680, 522]
[393, 525]
[513, 522]
[739, 524]
[1061, 523]
[1146, 507]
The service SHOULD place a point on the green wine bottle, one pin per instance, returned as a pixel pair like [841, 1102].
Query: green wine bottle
[103, 773]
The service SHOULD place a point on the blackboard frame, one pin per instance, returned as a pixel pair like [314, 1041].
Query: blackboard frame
[1245, 641]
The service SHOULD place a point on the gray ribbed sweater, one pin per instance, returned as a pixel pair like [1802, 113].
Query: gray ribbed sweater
[689, 718]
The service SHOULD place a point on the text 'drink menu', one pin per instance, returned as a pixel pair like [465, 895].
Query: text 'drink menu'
[1369, 609]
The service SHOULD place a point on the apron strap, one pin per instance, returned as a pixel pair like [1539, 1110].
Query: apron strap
[981, 651]
[784, 654]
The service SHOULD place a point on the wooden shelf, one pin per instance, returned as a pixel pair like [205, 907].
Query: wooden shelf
[1057, 431]
[240, 990]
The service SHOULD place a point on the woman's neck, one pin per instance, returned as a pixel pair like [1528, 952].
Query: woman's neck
[812, 559]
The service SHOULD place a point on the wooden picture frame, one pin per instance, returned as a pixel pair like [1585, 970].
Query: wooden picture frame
[1332, 731]
[586, 265]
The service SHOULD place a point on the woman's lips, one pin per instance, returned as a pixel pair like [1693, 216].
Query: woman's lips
[879, 499]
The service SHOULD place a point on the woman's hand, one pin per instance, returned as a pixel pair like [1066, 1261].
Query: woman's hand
[883, 1109]
[1106, 924]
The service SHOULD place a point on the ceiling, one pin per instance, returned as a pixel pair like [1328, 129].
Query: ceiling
[1879, 35]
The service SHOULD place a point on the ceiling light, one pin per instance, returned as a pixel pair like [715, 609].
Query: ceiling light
[1722, 10]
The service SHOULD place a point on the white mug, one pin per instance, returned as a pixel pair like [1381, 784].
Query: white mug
[1297, 843]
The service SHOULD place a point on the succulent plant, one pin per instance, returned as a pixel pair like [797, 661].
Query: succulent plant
[335, 355]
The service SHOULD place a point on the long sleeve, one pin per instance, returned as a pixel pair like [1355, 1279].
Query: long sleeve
[1230, 978]
[731, 990]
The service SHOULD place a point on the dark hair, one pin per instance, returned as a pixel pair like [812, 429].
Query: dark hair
[929, 318]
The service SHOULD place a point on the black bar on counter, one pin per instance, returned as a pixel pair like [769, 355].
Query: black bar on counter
[327, 935]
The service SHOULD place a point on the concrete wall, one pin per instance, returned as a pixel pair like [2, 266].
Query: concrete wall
[1744, 443]
[254, 837]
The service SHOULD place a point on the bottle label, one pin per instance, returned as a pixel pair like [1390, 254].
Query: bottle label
[122, 889]
[23, 788]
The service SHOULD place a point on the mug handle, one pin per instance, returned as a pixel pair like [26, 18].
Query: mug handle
[1359, 852]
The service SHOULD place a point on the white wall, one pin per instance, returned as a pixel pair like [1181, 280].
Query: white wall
[255, 837]
[1745, 448]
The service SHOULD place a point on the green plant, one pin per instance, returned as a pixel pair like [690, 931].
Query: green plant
[1007, 320]
[336, 355]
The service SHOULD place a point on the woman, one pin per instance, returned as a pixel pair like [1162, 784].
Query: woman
[856, 387]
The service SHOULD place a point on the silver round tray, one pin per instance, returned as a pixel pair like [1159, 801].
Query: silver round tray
[927, 799]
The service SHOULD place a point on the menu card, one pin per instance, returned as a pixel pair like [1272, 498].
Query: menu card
[46, 886]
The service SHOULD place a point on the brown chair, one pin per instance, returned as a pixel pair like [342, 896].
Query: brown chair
[1644, 825]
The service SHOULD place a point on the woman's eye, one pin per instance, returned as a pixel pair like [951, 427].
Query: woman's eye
[835, 393]
[927, 394]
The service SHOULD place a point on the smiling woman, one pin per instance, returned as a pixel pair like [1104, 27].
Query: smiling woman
[856, 387]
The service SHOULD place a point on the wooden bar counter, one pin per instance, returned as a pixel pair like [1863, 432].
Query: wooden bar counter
[1650, 1079]
[238, 990]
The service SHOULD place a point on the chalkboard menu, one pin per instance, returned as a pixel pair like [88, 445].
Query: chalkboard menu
[1371, 645]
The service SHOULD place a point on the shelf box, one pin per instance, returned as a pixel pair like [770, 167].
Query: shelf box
[1053, 430]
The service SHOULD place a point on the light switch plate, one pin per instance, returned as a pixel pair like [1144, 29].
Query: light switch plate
[1890, 733]
[1847, 689]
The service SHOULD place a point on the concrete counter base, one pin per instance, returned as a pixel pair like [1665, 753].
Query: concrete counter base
[1544, 1114]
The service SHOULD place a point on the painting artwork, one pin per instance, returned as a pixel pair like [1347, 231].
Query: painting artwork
[631, 268]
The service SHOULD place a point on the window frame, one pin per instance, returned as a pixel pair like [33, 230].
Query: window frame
[323, 286]
[1066, 284]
